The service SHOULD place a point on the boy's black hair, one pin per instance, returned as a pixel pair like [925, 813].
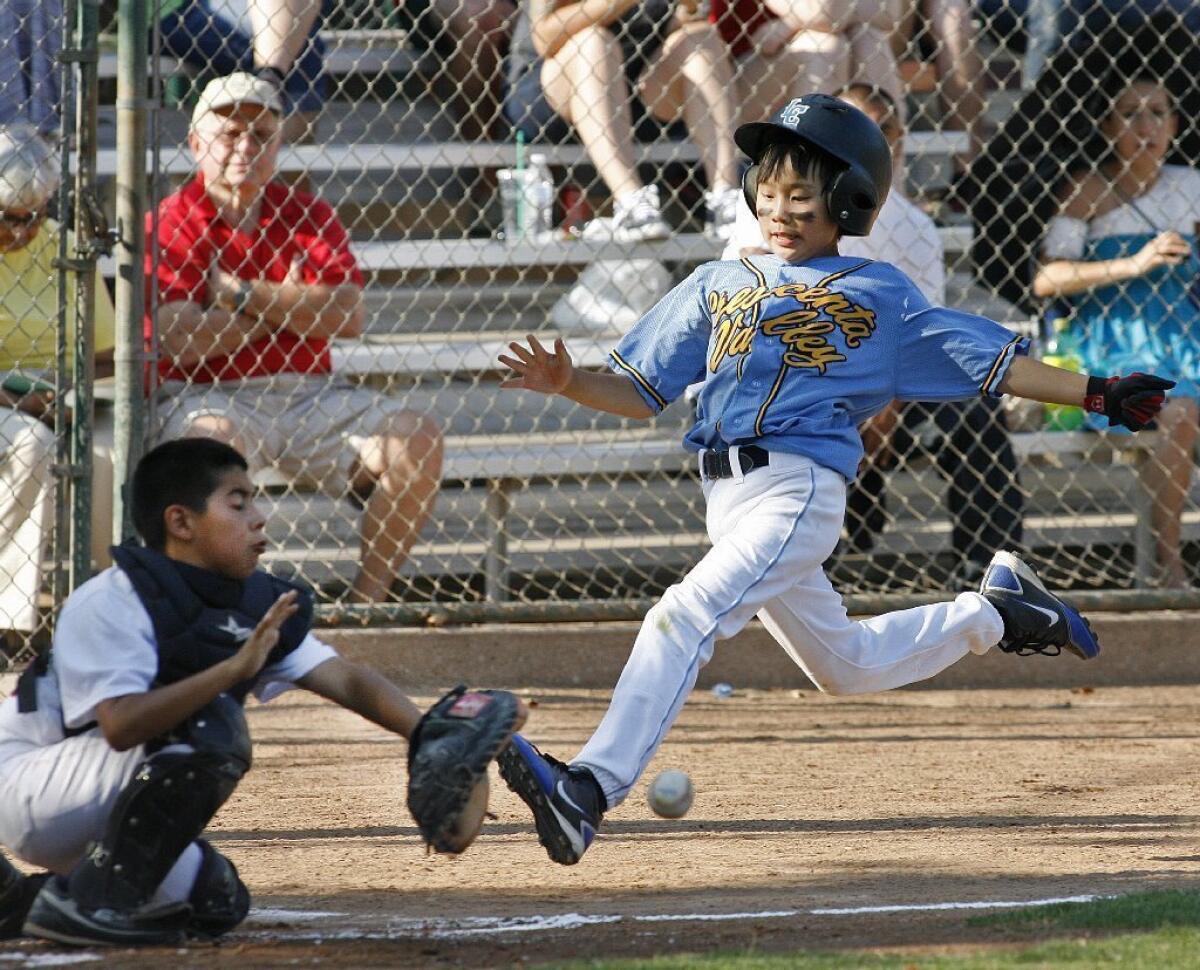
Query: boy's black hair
[807, 161]
[181, 472]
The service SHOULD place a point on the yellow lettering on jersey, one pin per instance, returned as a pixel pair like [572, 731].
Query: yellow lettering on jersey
[720, 304]
[735, 318]
[803, 335]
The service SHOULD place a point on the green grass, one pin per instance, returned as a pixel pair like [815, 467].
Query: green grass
[1143, 931]
[1137, 911]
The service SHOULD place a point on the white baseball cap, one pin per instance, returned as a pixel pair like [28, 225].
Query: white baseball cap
[237, 88]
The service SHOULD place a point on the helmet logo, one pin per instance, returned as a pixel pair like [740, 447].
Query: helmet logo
[791, 114]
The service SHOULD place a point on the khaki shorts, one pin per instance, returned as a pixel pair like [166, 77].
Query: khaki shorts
[310, 429]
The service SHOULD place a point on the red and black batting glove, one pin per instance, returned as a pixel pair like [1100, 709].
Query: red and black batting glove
[1131, 402]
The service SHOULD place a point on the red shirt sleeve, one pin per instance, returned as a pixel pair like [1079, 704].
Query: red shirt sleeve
[176, 269]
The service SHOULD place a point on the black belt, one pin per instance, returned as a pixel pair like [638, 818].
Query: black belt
[715, 464]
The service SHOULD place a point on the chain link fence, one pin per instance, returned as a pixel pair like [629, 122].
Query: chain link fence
[56, 319]
[412, 124]
[449, 175]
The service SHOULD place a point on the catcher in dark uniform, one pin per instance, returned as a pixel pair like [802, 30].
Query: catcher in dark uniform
[120, 745]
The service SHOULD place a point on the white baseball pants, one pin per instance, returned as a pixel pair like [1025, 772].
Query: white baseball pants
[771, 530]
[58, 798]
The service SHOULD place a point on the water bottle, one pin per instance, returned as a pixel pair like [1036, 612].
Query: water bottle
[540, 201]
[1062, 350]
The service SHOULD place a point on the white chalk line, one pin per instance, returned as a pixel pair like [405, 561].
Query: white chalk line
[48, 959]
[929, 907]
[468, 926]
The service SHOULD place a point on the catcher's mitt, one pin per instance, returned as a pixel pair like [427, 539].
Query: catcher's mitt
[448, 757]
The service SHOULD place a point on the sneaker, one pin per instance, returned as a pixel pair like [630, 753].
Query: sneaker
[722, 209]
[637, 217]
[1035, 620]
[566, 800]
[17, 893]
[55, 916]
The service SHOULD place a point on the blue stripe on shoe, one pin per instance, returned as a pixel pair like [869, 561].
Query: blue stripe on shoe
[536, 763]
[1080, 635]
[1001, 577]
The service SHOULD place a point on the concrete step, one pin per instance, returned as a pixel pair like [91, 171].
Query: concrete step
[644, 525]
[467, 407]
[427, 314]
[443, 312]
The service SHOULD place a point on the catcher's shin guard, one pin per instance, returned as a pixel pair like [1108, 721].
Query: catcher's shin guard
[164, 808]
[219, 899]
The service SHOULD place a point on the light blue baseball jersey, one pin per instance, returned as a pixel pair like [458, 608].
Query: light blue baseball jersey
[793, 357]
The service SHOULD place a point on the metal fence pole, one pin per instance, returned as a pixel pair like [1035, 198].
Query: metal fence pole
[132, 103]
[60, 552]
[90, 241]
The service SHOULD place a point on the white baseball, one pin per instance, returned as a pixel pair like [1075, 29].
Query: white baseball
[670, 794]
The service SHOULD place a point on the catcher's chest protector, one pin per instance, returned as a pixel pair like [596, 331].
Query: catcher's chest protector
[201, 618]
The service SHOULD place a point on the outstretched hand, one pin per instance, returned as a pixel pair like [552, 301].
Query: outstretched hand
[1131, 402]
[1165, 249]
[536, 368]
[258, 646]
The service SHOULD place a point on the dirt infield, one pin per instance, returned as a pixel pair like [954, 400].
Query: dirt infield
[804, 803]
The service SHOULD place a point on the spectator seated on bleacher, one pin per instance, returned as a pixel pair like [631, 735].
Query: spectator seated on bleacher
[253, 280]
[575, 63]
[1121, 256]
[970, 444]
[469, 39]
[785, 48]
[29, 239]
[945, 31]
[282, 43]
[30, 38]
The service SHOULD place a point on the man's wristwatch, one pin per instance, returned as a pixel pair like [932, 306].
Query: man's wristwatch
[237, 297]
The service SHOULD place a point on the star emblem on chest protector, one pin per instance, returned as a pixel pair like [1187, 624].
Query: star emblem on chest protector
[240, 634]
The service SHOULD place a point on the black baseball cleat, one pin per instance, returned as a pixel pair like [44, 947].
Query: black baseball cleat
[566, 801]
[55, 916]
[1035, 620]
[16, 896]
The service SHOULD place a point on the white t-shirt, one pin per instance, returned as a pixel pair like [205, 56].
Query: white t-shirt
[104, 647]
[1173, 202]
[903, 235]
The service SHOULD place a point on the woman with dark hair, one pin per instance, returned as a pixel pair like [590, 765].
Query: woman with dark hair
[1121, 255]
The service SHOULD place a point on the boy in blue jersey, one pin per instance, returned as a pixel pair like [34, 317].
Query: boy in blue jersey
[795, 350]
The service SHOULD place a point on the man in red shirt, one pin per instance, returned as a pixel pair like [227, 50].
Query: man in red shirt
[253, 280]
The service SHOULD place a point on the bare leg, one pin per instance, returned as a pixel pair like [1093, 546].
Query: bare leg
[585, 83]
[873, 62]
[481, 30]
[281, 30]
[693, 74]
[960, 68]
[401, 466]
[812, 61]
[1167, 476]
[902, 36]
[220, 429]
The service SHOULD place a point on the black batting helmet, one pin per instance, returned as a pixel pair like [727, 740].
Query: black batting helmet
[856, 193]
